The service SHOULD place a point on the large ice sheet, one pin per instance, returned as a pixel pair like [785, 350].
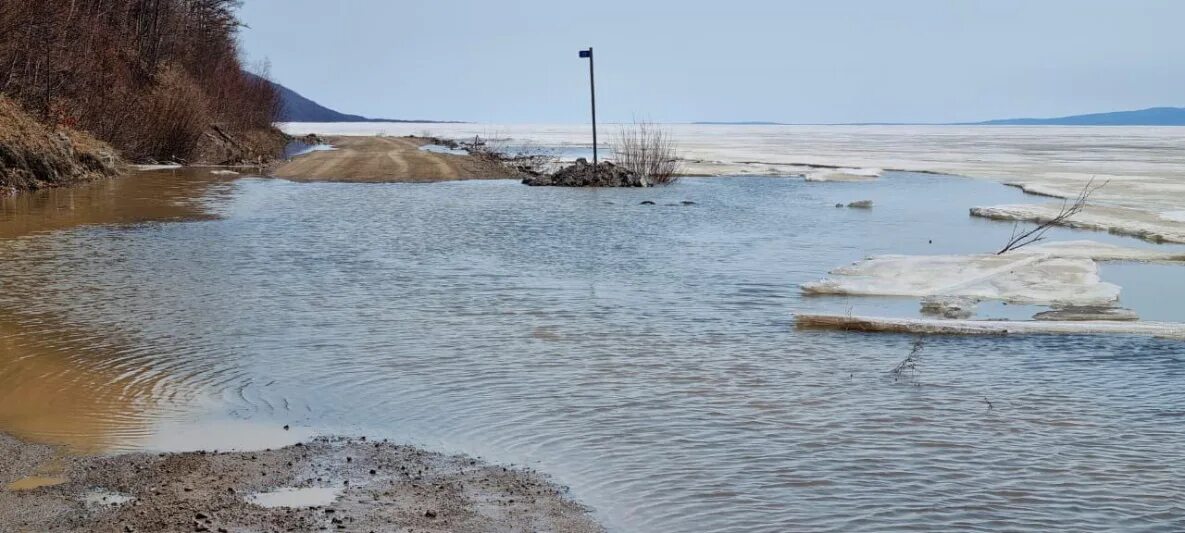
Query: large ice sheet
[1145, 165]
[1031, 278]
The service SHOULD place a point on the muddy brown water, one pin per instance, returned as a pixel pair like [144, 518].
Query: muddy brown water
[643, 355]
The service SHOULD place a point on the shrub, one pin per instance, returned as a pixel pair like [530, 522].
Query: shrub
[649, 150]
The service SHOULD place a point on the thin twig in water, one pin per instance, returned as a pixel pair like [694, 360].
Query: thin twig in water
[908, 367]
[1021, 239]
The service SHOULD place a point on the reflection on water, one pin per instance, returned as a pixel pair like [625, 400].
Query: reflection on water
[643, 355]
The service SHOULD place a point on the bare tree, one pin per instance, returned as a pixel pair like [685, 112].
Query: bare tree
[649, 150]
[1020, 239]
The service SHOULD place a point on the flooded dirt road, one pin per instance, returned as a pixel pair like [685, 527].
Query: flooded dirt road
[385, 160]
[643, 355]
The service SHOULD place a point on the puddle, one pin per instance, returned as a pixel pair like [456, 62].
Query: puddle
[224, 435]
[294, 497]
[34, 482]
[47, 474]
[441, 149]
[104, 498]
[297, 149]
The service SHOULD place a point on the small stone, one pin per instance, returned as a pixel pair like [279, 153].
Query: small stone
[647, 202]
[862, 204]
[430, 513]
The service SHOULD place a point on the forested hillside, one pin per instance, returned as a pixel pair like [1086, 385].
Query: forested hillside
[159, 80]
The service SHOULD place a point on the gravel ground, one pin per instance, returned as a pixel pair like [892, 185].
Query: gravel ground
[378, 486]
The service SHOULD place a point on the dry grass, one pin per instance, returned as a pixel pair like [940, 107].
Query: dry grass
[33, 156]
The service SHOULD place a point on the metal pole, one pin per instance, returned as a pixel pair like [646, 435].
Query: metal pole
[592, 84]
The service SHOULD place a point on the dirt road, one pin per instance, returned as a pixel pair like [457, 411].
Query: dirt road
[386, 160]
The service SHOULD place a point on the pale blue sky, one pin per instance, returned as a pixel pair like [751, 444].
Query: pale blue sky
[679, 60]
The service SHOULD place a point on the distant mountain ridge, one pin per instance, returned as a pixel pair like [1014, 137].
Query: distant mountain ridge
[294, 107]
[1152, 116]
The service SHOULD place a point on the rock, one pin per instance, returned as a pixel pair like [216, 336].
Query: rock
[949, 307]
[430, 513]
[862, 204]
[647, 202]
[584, 174]
[838, 205]
[1088, 313]
[688, 202]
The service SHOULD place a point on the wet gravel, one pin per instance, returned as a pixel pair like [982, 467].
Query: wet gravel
[383, 487]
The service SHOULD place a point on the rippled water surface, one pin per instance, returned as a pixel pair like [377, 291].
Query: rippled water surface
[643, 355]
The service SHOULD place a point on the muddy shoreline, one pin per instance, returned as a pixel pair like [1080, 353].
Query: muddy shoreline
[329, 483]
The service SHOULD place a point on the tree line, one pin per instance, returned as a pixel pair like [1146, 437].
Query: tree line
[148, 76]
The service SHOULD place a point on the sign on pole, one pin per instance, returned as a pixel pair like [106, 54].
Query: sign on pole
[592, 84]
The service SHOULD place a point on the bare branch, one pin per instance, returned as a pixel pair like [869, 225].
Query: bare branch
[1068, 211]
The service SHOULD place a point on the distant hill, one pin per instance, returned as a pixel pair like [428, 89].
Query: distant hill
[1153, 116]
[741, 123]
[297, 108]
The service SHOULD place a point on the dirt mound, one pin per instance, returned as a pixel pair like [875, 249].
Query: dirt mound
[34, 156]
[222, 146]
[584, 174]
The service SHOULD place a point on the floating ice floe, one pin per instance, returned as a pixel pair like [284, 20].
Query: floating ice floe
[1028, 278]
[988, 327]
[1119, 220]
[844, 174]
[1057, 273]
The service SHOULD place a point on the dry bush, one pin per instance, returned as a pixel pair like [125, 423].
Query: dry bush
[174, 118]
[649, 150]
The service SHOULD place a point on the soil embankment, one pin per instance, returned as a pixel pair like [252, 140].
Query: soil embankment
[387, 160]
[327, 484]
[33, 156]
